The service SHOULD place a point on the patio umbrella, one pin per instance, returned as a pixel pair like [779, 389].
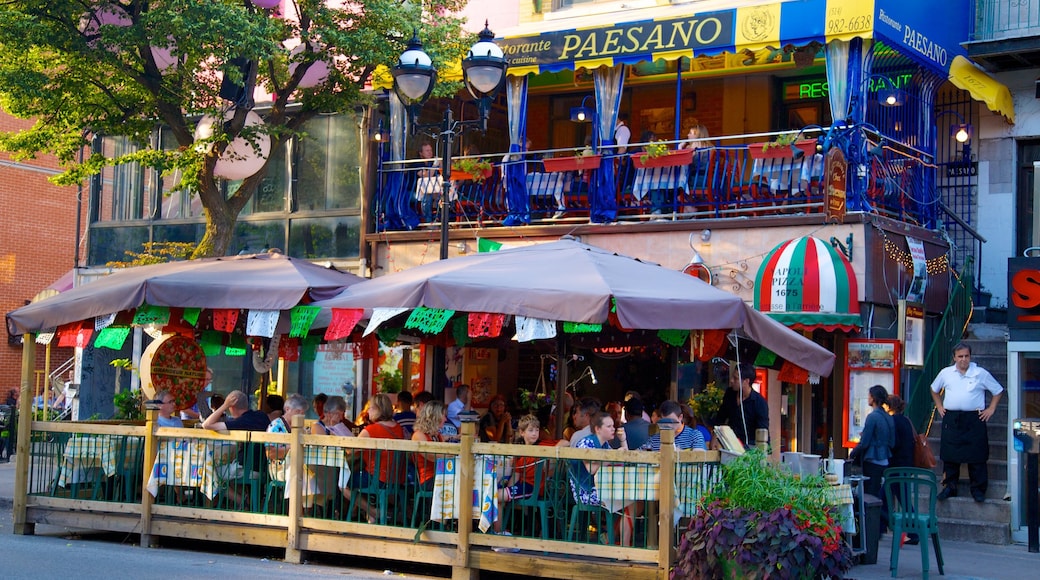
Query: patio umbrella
[268, 281]
[570, 281]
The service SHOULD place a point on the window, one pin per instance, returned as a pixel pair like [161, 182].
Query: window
[333, 237]
[123, 187]
[329, 165]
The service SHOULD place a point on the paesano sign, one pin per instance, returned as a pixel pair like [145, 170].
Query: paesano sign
[1024, 298]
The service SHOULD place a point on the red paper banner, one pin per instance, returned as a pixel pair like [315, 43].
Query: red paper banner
[343, 322]
[485, 324]
[75, 335]
[792, 373]
[289, 349]
[707, 344]
[224, 319]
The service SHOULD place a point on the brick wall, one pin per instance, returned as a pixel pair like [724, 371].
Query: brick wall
[36, 243]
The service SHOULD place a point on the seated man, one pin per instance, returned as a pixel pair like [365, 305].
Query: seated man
[685, 437]
[236, 405]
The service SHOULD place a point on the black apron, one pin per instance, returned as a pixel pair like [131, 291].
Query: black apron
[964, 438]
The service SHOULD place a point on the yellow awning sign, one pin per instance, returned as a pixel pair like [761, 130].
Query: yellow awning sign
[967, 76]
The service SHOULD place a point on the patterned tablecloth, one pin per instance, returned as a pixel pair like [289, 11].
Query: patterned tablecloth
[85, 453]
[318, 463]
[446, 492]
[202, 464]
[659, 178]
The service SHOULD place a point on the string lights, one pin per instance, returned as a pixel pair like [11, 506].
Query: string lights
[933, 266]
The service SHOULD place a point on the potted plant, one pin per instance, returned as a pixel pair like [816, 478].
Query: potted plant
[783, 147]
[705, 404]
[476, 170]
[584, 160]
[761, 522]
[657, 154]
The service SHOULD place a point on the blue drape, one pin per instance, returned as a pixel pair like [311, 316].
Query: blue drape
[609, 82]
[517, 201]
[397, 192]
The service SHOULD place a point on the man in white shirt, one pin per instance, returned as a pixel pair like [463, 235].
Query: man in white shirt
[622, 134]
[964, 415]
[460, 404]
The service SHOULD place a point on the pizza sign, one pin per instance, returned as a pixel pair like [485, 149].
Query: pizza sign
[176, 364]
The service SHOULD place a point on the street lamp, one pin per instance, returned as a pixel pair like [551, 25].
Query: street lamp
[484, 70]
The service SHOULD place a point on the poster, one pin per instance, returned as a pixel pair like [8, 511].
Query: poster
[919, 283]
[335, 372]
[911, 332]
[867, 363]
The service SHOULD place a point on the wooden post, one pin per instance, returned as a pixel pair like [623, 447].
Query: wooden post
[24, 447]
[464, 466]
[666, 497]
[151, 450]
[294, 475]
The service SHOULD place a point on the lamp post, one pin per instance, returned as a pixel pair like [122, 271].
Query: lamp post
[484, 71]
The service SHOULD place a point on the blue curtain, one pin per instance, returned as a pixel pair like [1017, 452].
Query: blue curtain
[517, 201]
[609, 82]
[396, 195]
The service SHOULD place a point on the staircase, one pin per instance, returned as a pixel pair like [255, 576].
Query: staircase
[961, 518]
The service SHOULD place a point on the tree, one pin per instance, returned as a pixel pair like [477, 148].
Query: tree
[122, 67]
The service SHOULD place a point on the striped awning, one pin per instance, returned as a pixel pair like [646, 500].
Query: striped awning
[807, 284]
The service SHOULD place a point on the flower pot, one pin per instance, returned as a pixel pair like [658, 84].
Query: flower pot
[669, 159]
[459, 175]
[757, 151]
[579, 163]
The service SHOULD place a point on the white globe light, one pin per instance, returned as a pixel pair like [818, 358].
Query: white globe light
[243, 157]
[266, 4]
[316, 74]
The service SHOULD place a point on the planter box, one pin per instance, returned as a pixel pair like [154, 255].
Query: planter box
[459, 175]
[579, 163]
[807, 146]
[669, 159]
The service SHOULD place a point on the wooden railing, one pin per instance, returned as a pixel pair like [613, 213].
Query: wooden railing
[75, 475]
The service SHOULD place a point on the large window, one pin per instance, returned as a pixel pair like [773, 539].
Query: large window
[329, 165]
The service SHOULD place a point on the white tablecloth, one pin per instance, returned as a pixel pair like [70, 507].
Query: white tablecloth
[659, 178]
[446, 492]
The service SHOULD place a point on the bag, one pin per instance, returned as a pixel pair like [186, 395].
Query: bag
[923, 456]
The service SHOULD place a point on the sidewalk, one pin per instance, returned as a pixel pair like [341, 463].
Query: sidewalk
[964, 560]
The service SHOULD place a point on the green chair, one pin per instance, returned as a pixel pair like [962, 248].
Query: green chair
[381, 492]
[539, 500]
[904, 488]
[276, 492]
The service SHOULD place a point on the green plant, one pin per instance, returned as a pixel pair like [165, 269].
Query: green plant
[128, 405]
[390, 382]
[782, 140]
[705, 403]
[531, 401]
[653, 150]
[761, 522]
[476, 167]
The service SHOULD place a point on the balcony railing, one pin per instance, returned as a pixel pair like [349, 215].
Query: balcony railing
[729, 178]
[1006, 19]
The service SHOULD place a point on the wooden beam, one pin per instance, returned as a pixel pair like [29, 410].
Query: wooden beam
[21, 463]
[565, 567]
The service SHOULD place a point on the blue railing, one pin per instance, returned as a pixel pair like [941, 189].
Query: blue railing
[1006, 19]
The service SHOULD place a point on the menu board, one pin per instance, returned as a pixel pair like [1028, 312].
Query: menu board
[867, 363]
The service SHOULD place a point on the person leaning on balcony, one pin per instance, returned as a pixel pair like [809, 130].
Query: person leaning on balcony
[428, 168]
[964, 416]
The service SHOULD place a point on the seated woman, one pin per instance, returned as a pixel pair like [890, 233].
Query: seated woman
[582, 473]
[381, 426]
[333, 420]
[276, 452]
[496, 426]
[522, 483]
[428, 427]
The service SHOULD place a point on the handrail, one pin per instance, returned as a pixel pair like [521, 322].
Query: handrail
[967, 227]
[951, 327]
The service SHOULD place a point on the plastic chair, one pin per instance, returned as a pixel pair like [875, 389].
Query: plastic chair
[903, 488]
[537, 500]
[382, 491]
[275, 491]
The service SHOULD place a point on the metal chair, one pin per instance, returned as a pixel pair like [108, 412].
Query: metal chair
[904, 487]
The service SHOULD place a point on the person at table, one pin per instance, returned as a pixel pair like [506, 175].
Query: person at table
[637, 428]
[686, 437]
[460, 404]
[496, 426]
[583, 412]
[334, 420]
[275, 406]
[167, 405]
[194, 413]
[523, 481]
[875, 441]
[381, 426]
[429, 191]
[319, 404]
[276, 452]
[428, 425]
[236, 405]
[698, 140]
[404, 415]
[581, 474]
[743, 409]
[692, 420]
[615, 411]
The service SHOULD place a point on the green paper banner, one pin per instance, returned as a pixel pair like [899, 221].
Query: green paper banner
[112, 337]
[302, 318]
[236, 345]
[765, 358]
[581, 327]
[673, 337]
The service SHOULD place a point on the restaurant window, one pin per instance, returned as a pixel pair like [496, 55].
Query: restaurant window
[332, 237]
[123, 192]
[254, 237]
[328, 165]
[109, 244]
[175, 203]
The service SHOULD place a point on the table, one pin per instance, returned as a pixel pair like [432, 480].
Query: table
[200, 463]
[786, 174]
[446, 493]
[667, 178]
[83, 455]
[841, 496]
[545, 185]
[316, 461]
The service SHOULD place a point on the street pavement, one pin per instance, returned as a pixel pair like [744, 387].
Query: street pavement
[53, 552]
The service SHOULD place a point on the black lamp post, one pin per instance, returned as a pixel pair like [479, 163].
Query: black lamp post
[484, 70]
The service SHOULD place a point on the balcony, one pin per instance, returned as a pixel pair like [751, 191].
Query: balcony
[1006, 34]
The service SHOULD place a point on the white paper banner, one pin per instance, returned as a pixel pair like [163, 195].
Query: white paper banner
[45, 337]
[103, 322]
[381, 315]
[262, 322]
[528, 329]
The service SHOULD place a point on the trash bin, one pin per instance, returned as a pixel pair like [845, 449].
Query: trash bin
[871, 527]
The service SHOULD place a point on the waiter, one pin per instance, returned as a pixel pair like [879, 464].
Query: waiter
[965, 413]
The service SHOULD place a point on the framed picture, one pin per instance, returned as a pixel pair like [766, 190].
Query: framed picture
[867, 363]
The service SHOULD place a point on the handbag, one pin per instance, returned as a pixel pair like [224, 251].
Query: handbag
[923, 456]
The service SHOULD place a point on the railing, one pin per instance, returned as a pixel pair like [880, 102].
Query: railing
[305, 492]
[951, 327]
[725, 179]
[1006, 19]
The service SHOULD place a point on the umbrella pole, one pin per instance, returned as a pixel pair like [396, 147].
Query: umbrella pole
[561, 382]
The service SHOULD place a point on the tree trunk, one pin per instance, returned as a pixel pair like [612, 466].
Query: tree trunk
[220, 222]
